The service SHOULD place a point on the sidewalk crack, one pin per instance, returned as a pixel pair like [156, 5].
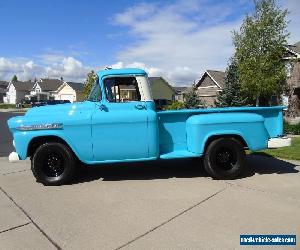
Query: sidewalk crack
[15, 172]
[171, 219]
[12, 228]
[31, 220]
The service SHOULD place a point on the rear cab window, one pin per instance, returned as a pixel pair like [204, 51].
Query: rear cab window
[122, 89]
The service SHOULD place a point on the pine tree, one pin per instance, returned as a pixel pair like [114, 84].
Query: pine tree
[90, 81]
[231, 95]
[259, 46]
[192, 100]
[14, 78]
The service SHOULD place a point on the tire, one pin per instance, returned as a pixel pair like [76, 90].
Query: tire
[225, 159]
[53, 163]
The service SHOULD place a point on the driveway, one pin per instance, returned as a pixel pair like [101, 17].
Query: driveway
[151, 205]
[5, 137]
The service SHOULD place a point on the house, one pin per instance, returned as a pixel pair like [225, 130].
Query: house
[3, 89]
[17, 90]
[209, 85]
[44, 89]
[180, 93]
[56, 89]
[161, 89]
[292, 59]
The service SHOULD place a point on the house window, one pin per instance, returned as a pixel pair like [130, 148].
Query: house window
[288, 69]
[122, 89]
[285, 100]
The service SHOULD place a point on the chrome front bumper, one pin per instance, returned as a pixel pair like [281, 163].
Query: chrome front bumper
[279, 142]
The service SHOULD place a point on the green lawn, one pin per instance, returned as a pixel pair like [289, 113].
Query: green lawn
[291, 153]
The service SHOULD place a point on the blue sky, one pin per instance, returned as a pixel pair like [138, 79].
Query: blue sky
[174, 39]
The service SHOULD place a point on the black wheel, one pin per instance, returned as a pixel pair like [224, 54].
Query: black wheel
[224, 158]
[53, 164]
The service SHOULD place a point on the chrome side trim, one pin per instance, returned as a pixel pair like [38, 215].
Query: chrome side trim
[41, 127]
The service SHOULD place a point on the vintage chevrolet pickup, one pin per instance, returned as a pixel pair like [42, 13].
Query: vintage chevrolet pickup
[118, 123]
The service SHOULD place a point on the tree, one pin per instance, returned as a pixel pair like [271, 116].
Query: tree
[259, 46]
[231, 95]
[14, 78]
[90, 80]
[192, 100]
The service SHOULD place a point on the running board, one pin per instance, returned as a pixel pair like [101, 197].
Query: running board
[179, 154]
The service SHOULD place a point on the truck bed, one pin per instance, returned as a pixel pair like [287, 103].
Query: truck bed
[173, 127]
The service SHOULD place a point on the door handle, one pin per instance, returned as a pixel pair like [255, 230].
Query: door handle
[102, 107]
[140, 106]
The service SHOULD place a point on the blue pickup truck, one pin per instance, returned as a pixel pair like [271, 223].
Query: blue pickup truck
[118, 123]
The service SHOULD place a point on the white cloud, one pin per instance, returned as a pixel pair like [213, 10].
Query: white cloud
[182, 39]
[52, 66]
[293, 7]
[187, 37]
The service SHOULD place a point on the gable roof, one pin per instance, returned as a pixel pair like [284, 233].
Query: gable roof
[161, 80]
[23, 86]
[218, 77]
[293, 49]
[77, 86]
[49, 84]
[179, 90]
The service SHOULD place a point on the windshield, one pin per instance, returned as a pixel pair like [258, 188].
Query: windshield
[95, 94]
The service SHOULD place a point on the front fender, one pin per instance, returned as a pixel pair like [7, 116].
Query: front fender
[248, 126]
[22, 140]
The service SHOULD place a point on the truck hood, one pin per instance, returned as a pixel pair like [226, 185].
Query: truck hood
[58, 109]
[60, 113]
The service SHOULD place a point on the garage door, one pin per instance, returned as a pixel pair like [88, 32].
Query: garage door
[67, 97]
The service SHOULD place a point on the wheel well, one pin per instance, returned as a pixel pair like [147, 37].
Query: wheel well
[237, 137]
[38, 141]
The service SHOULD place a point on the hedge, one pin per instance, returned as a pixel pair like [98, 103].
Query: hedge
[291, 128]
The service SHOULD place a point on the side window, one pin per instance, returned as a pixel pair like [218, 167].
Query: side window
[122, 89]
[95, 94]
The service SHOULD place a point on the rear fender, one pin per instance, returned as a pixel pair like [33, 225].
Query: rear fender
[250, 127]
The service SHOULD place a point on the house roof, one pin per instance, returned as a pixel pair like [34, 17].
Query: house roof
[162, 80]
[77, 86]
[50, 84]
[23, 86]
[294, 49]
[3, 84]
[179, 90]
[218, 77]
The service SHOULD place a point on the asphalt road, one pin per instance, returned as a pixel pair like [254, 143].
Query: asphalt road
[5, 136]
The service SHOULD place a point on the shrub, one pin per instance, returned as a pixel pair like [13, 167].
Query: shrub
[175, 105]
[7, 106]
[291, 128]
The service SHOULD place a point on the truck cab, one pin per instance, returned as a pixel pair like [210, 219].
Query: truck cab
[119, 123]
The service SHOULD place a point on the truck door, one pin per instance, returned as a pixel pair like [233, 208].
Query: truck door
[119, 123]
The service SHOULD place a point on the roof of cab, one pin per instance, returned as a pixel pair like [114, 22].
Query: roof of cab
[125, 71]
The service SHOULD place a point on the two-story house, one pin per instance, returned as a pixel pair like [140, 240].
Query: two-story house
[292, 99]
[17, 91]
[3, 90]
[209, 85]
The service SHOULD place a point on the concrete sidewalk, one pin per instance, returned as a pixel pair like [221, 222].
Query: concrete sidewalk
[153, 205]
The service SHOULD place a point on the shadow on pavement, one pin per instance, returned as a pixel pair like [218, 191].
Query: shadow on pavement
[260, 164]
[180, 168]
